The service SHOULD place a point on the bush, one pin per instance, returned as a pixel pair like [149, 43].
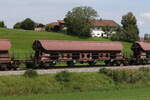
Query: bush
[104, 71]
[2, 24]
[63, 76]
[17, 25]
[144, 69]
[49, 28]
[30, 73]
[127, 76]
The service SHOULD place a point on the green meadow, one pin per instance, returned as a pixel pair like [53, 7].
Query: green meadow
[129, 94]
[22, 40]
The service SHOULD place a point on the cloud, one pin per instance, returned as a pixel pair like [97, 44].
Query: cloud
[146, 15]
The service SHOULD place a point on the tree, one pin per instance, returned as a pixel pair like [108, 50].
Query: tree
[129, 31]
[79, 21]
[108, 30]
[129, 24]
[48, 28]
[17, 25]
[147, 37]
[2, 24]
[28, 24]
[39, 25]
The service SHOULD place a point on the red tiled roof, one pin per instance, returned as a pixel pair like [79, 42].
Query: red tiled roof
[54, 24]
[144, 45]
[100, 23]
[97, 23]
[57, 23]
[5, 45]
[61, 21]
[60, 45]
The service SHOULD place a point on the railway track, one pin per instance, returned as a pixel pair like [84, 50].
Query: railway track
[57, 69]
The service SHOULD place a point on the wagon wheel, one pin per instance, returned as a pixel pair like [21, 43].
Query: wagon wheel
[92, 63]
[31, 65]
[3, 67]
[107, 62]
[70, 63]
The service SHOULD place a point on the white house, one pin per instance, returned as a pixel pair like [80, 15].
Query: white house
[96, 31]
[98, 24]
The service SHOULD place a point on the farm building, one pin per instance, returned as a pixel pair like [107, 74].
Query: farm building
[97, 31]
[58, 26]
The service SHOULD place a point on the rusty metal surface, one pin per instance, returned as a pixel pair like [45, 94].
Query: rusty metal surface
[5, 45]
[60, 45]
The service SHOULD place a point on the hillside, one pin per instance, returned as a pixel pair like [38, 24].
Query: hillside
[22, 40]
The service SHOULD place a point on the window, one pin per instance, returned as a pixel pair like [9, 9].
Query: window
[88, 55]
[107, 55]
[101, 55]
[68, 55]
[62, 55]
[75, 55]
[82, 55]
[54, 56]
[95, 56]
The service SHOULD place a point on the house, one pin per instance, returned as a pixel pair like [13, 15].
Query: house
[97, 31]
[58, 26]
[39, 27]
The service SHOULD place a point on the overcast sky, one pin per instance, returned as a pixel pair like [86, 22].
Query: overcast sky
[46, 11]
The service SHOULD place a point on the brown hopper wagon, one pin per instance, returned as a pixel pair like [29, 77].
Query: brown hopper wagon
[141, 52]
[6, 61]
[48, 52]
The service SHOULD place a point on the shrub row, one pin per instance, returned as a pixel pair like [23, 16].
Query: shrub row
[106, 79]
[127, 75]
[30, 83]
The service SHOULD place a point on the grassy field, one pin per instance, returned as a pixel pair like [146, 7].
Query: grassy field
[128, 94]
[22, 40]
[105, 80]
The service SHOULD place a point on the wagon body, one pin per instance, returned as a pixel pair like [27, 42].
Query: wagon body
[141, 52]
[6, 61]
[82, 51]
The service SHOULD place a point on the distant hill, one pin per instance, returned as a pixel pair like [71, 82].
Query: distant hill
[22, 39]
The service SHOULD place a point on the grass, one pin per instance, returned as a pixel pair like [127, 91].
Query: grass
[44, 84]
[22, 40]
[128, 94]
[74, 82]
